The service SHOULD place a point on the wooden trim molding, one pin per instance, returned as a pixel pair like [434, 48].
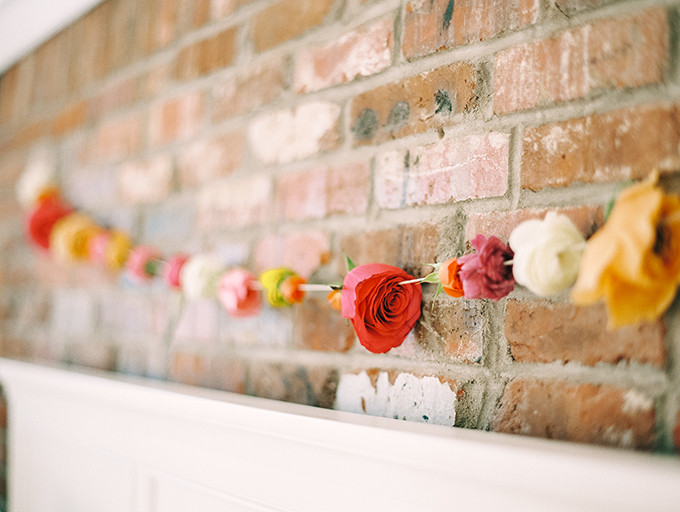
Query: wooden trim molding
[25, 24]
[85, 440]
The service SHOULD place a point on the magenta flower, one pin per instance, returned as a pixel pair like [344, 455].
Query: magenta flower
[237, 293]
[484, 273]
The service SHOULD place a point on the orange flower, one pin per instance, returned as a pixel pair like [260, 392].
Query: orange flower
[334, 298]
[290, 289]
[633, 262]
[450, 278]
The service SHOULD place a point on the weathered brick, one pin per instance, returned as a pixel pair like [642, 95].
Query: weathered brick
[207, 56]
[17, 83]
[171, 224]
[287, 135]
[307, 385]
[319, 327]
[453, 169]
[302, 252]
[93, 188]
[407, 247]
[156, 25]
[454, 328]
[616, 145]
[317, 192]
[258, 85]
[234, 202]
[614, 53]
[73, 313]
[572, 6]
[86, 64]
[199, 322]
[189, 368]
[287, 20]
[119, 39]
[175, 119]
[434, 25]
[116, 138]
[361, 52]
[51, 77]
[206, 160]
[193, 14]
[590, 413]
[544, 332]
[93, 355]
[500, 224]
[146, 181]
[227, 374]
[114, 97]
[71, 117]
[156, 80]
[417, 104]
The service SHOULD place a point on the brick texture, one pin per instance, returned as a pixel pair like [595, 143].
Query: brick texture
[626, 52]
[318, 327]
[586, 413]
[303, 252]
[617, 145]
[207, 56]
[175, 119]
[203, 161]
[539, 332]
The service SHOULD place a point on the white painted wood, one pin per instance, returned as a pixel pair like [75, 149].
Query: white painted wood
[84, 441]
[25, 24]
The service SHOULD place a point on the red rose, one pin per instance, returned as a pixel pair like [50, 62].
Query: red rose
[381, 310]
[42, 219]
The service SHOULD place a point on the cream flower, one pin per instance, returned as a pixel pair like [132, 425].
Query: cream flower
[547, 254]
[200, 275]
[37, 180]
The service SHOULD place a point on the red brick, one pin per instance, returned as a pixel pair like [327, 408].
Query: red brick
[27, 134]
[540, 332]
[623, 52]
[572, 6]
[586, 218]
[114, 97]
[207, 56]
[51, 75]
[407, 247]
[119, 41]
[434, 25]
[287, 20]
[319, 327]
[206, 160]
[302, 252]
[17, 83]
[291, 383]
[70, 118]
[589, 413]
[156, 25]
[189, 368]
[193, 14]
[287, 135]
[156, 80]
[617, 145]
[227, 374]
[116, 138]
[361, 52]
[146, 181]
[317, 192]
[93, 355]
[235, 202]
[452, 328]
[86, 63]
[258, 85]
[176, 119]
[417, 104]
[453, 169]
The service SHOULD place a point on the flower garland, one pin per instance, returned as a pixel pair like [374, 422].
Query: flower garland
[632, 264]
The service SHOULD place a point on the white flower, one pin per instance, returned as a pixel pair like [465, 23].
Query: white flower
[38, 176]
[199, 276]
[547, 254]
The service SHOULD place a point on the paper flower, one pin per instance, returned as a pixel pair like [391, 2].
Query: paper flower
[271, 280]
[37, 182]
[485, 274]
[172, 270]
[117, 250]
[291, 290]
[449, 277]
[70, 237]
[633, 262]
[381, 310]
[547, 254]
[141, 262]
[237, 294]
[42, 218]
[334, 298]
[96, 248]
[199, 276]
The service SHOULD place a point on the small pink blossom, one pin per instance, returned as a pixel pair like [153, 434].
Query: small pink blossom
[237, 295]
[172, 269]
[484, 273]
[138, 262]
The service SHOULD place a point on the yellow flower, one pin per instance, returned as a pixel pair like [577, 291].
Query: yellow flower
[117, 250]
[633, 262]
[70, 237]
[271, 280]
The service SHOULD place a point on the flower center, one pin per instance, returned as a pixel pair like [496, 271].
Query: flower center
[663, 242]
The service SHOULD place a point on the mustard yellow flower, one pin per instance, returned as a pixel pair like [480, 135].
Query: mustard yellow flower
[633, 262]
[70, 237]
[117, 250]
[271, 280]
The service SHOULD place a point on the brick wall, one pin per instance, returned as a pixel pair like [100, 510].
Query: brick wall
[286, 132]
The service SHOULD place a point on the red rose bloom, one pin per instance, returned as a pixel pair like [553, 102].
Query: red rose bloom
[485, 274]
[42, 219]
[381, 310]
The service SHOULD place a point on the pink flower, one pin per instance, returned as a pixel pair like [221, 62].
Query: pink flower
[485, 274]
[381, 310]
[172, 269]
[140, 263]
[97, 247]
[237, 295]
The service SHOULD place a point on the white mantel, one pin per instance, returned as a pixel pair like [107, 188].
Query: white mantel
[93, 441]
